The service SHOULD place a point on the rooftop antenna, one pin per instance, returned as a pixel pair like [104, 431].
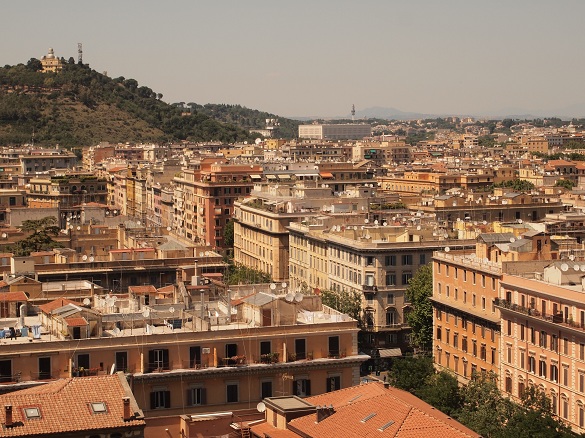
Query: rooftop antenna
[79, 54]
[353, 113]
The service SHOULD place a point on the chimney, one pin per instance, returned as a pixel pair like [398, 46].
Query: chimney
[8, 412]
[324, 412]
[386, 385]
[127, 412]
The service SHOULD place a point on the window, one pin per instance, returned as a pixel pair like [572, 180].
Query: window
[582, 351]
[265, 347]
[543, 338]
[407, 259]
[266, 389]
[439, 333]
[508, 384]
[522, 332]
[390, 278]
[390, 299]
[531, 364]
[565, 375]
[333, 383]
[160, 399]
[390, 260]
[455, 340]
[158, 359]
[483, 354]
[300, 349]
[5, 370]
[581, 381]
[391, 317]
[195, 357]
[302, 387]
[122, 361]
[406, 276]
[422, 258]
[509, 353]
[464, 344]
[565, 346]
[83, 361]
[333, 346]
[44, 368]
[231, 392]
[542, 368]
[554, 373]
[196, 396]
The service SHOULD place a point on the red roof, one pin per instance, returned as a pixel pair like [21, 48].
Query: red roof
[398, 414]
[66, 406]
[59, 302]
[76, 321]
[13, 296]
[142, 290]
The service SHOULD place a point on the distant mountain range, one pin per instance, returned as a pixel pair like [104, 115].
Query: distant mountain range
[389, 113]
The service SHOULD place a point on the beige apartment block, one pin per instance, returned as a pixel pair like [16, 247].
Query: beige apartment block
[346, 131]
[376, 261]
[543, 337]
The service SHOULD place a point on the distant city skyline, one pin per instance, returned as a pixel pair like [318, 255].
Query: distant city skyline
[303, 59]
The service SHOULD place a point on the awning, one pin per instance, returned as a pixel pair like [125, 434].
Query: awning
[390, 352]
[306, 174]
[270, 176]
[326, 174]
[284, 176]
[255, 177]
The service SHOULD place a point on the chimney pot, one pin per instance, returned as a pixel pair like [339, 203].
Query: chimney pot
[8, 412]
[127, 412]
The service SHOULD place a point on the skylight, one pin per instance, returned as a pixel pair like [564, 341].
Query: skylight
[386, 426]
[369, 417]
[32, 413]
[99, 408]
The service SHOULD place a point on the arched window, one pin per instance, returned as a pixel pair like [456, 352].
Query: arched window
[508, 383]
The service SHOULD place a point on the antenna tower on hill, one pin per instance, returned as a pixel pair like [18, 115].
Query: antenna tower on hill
[79, 54]
[353, 113]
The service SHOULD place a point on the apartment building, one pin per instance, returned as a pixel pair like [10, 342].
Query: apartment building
[202, 360]
[543, 337]
[376, 261]
[383, 152]
[204, 199]
[261, 237]
[467, 323]
[345, 131]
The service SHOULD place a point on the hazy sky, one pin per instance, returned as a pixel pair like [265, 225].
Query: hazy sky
[317, 58]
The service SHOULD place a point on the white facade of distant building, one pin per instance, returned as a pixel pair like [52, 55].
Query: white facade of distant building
[349, 131]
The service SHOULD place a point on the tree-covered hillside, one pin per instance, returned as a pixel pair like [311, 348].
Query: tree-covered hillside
[79, 106]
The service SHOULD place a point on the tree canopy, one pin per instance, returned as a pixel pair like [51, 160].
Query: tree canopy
[40, 238]
[348, 302]
[420, 317]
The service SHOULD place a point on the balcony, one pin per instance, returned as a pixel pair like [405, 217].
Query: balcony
[557, 318]
[369, 288]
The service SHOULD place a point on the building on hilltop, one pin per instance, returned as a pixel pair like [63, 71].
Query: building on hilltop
[345, 131]
[51, 63]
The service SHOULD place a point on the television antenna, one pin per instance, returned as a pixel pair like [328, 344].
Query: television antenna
[79, 53]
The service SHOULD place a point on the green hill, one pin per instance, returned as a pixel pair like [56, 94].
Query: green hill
[79, 107]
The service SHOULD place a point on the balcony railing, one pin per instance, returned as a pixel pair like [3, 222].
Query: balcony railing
[555, 318]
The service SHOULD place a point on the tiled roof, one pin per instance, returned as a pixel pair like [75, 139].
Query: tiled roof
[13, 296]
[398, 414]
[59, 302]
[76, 321]
[141, 290]
[65, 406]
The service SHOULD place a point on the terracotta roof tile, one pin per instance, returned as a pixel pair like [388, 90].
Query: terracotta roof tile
[141, 290]
[65, 406]
[76, 321]
[13, 296]
[405, 415]
[60, 302]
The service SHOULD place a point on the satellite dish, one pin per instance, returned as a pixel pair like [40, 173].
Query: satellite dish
[110, 302]
[577, 268]
[376, 222]
[512, 240]
[86, 302]
[384, 223]
[146, 312]
[583, 268]
[418, 227]
[299, 297]
[283, 285]
[366, 220]
[201, 254]
[564, 267]
[520, 221]
[260, 407]
[137, 222]
[4, 235]
[116, 331]
[78, 228]
[571, 257]
[289, 297]
[206, 253]
[447, 249]
[172, 309]
[169, 228]
[91, 259]
[84, 258]
[272, 286]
